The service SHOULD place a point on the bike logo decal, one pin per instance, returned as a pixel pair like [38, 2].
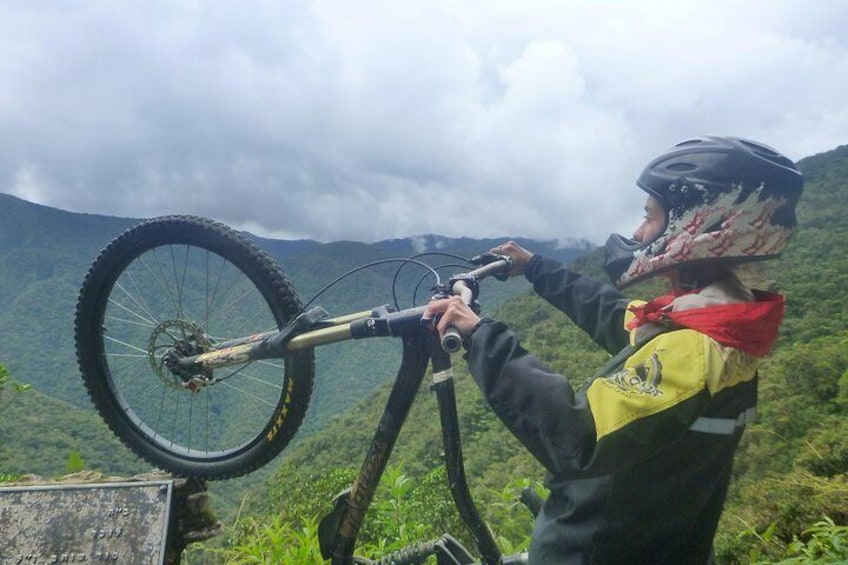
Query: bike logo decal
[363, 489]
[284, 412]
[644, 378]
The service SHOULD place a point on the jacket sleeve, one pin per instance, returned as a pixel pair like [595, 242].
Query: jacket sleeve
[612, 423]
[597, 308]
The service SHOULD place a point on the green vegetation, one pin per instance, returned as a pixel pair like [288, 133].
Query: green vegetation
[788, 501]
[45, 254]
[59, 438]
[404, 512]
[7, 396]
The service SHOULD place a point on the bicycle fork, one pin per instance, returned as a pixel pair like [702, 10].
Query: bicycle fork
[443, 386]
[338, 530]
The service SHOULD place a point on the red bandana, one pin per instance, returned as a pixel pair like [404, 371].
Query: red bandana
[749, 326]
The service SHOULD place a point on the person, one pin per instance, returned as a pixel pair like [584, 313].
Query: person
[639, 459]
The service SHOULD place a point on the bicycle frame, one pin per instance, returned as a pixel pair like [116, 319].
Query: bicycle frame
[338, 530]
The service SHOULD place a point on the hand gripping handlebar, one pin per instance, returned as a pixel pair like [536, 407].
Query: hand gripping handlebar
[452, 339]
[466, 287]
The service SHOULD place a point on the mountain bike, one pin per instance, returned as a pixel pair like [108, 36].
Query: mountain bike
[198, 354]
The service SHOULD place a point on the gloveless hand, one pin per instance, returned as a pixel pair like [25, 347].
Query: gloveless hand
[451, 312]
[520, 256]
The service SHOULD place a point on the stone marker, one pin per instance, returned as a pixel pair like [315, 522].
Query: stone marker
[134, 522]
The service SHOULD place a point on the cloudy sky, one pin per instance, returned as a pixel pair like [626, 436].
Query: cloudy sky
[370, 120]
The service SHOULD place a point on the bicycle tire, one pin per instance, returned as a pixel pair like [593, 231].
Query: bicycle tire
[189, 281]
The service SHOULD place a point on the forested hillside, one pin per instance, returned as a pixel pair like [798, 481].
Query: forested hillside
[790, 473]
[45, 254]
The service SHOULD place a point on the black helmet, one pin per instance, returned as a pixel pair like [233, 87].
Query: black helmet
[725, 198]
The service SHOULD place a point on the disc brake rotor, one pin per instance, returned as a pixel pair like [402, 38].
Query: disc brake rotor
[180, 336]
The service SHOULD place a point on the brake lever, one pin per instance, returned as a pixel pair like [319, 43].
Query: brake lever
[485, 258]
[489, 257]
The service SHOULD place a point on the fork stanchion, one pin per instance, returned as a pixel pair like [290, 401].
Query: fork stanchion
[443, 386]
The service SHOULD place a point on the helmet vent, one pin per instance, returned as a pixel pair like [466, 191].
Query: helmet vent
[759, 149]
[681, 167]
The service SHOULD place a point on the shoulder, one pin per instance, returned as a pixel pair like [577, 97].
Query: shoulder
[673, 373]
[689, 359]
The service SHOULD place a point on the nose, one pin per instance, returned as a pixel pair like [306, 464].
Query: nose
[639, 233]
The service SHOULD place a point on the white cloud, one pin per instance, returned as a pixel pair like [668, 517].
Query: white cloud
[340, 120]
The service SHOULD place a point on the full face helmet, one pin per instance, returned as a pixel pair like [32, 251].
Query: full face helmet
[726, 199]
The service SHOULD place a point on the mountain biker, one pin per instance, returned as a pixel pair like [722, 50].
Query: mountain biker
[639, 459]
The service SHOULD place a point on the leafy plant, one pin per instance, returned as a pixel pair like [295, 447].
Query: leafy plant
[404, 512]
[824, 542]
[17, 388]
[75, 463]
[273, 540]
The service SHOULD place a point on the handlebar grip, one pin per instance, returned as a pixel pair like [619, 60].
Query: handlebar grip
[452, 340]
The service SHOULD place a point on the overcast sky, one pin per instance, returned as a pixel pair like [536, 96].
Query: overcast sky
[371, 120]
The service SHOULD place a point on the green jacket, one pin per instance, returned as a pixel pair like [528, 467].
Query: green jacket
[639, 459]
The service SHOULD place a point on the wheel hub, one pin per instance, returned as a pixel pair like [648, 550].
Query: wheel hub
[172, 340]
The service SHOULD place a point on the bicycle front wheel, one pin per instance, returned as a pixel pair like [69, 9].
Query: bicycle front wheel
[185, 284]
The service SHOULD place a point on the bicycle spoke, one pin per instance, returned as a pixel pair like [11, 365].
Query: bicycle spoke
[125, 344]
[129, 322]
[136, 298]
[248, 395]
[146, 322]
[248, 376]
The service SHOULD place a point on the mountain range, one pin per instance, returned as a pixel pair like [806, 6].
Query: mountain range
[45, 253]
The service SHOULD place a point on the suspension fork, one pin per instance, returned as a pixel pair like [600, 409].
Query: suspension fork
[443, 386]
[338, 530]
